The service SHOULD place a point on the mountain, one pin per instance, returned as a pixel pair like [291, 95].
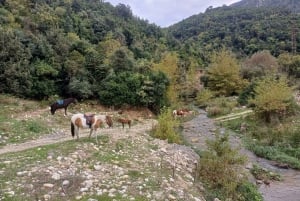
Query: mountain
[242, 27]
[293, 5]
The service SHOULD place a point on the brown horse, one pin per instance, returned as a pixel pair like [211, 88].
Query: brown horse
[59, 104]
[124, 121]
[181, 112]
[88, 121]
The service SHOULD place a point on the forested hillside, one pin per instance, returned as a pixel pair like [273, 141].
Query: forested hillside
[287, 4]
[245, 30]
[81, 48]
[90, 49]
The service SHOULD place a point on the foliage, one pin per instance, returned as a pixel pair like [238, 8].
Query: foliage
[219, 166]
[168, 65]
[247, 94]
[134, 89]
[71, 47]
[272, 98]
[259, 64]
[221, 106]
[289, 64]
[224, 74]
[203, 98]
[249, 192]
[167, 126]
[263, 174]
[241, 29]
[276, 154]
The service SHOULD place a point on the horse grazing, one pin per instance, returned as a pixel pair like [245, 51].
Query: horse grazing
[180, 112]
[91, 121]
[124, 121]
[62, 104]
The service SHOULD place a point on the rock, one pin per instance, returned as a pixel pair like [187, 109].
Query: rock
[56, 176]
[66, 183]
[48, 185]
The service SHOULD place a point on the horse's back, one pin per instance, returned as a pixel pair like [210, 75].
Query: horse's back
[78, 120]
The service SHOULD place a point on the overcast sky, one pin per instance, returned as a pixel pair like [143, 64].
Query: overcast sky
[167, 12]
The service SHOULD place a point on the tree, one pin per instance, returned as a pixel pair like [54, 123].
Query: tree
[272, 98]
[122, 60]
[259, 64]
[290, 64]
[168, 65]
[224, 74]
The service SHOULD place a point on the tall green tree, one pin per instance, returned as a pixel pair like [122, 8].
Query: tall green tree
[272, 98]
[224, 74]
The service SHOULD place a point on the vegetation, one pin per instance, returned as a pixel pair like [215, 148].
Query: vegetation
[224, 74]
[76, 48]
[167, 127]
[220, 169]
[276, 102]
[94, 51]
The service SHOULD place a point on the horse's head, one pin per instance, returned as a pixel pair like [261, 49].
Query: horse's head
[52, 109]
[109, 121]
[75, 100]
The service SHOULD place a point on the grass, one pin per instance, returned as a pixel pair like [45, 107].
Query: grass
[270, 141]
[18, 123]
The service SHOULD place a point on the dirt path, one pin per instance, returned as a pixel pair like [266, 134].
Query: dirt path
[201, 128]
[196, 132]
[64, 135]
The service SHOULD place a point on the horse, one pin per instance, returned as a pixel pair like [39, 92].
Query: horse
[180, 112]
[91, 121]
[177, 113]
[62, 104]
[124, 121]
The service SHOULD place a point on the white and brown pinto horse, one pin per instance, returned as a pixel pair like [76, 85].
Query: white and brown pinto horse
[92, 121]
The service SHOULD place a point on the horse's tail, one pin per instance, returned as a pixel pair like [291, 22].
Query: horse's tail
[72, 129]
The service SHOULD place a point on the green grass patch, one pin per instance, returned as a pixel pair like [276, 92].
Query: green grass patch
[275, 153]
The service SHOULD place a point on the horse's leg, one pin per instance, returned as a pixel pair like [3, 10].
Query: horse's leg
[77, 132]
[65, 111]
[91, 131]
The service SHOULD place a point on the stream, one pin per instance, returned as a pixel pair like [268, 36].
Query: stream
[201, 128]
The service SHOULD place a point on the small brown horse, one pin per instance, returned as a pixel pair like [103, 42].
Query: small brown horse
[59, 104]
[124, 121]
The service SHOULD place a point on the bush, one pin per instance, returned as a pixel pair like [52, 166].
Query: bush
[249, 192]
[166, 127]
[221, 106]
[220, 166]
[203, 97]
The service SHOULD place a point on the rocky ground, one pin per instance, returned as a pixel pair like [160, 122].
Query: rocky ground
[125, 164]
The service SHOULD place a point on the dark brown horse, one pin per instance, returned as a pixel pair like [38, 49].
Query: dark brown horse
[124, 121]
[59, 104]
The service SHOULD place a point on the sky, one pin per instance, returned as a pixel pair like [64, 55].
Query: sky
[167, 12]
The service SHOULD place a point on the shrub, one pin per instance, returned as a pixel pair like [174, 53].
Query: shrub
[203, 97]
[221, 106]
[166, 127]
[249, 192]
[220, 166]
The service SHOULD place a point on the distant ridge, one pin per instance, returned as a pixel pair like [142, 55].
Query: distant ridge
[293, 5]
